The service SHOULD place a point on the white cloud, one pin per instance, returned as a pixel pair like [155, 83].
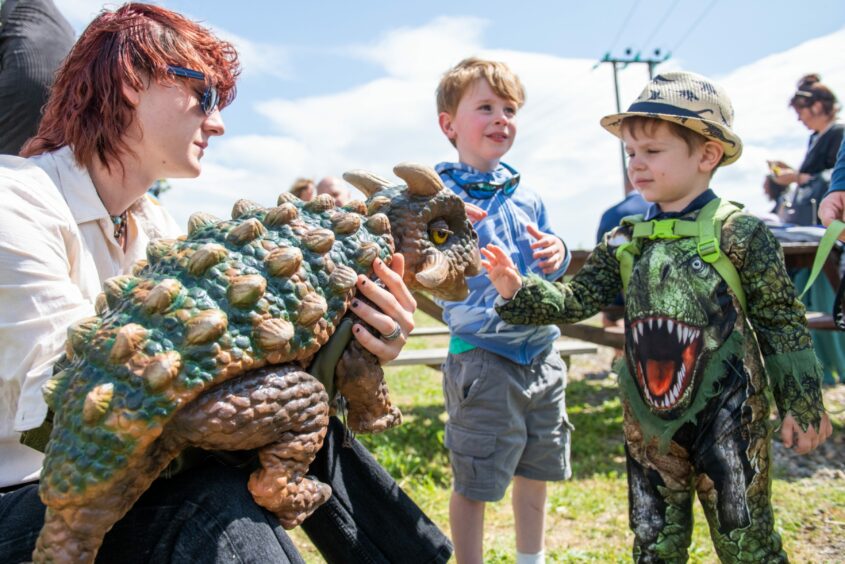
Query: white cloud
[561, 150]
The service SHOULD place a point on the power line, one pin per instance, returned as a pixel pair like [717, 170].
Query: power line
[668, 13]
[694, 25]
[624, 25]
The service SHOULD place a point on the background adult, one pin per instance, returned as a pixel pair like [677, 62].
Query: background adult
[34, 38]
[304, 189]
[816, 106]
[336, 188]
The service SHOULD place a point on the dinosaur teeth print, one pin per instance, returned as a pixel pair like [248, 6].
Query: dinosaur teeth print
[665, 350]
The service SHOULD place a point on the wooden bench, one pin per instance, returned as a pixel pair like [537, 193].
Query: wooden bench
[434, 358]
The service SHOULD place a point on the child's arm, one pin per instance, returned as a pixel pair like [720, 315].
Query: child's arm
[534, 301]
[778, 319]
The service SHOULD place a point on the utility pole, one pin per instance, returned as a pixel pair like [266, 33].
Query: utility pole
[619, 64]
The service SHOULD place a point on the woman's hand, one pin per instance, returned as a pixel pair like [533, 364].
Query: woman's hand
[393, 315]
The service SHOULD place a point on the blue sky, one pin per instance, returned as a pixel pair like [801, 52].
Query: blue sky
[329, 86]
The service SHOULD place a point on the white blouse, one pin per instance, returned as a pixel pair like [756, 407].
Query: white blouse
[57, 247]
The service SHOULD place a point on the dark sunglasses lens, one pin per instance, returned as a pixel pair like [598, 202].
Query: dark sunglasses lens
[210, 99]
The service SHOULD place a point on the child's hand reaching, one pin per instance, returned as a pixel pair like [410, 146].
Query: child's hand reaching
[501, 270]
[806, 440]
[550, 248]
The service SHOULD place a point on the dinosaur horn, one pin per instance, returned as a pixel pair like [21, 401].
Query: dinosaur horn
[434, 270]
[422, 180]
[366, 182]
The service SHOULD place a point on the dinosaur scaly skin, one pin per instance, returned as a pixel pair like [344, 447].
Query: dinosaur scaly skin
[207, 342]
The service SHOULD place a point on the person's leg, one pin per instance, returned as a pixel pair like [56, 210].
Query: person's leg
[659, 497]
[205, 515]
[466, 519]
[368, 519]
[732, 463]
[21, 518]
[529, 512]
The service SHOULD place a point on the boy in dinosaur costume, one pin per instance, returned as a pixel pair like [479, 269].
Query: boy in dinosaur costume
[711, 321]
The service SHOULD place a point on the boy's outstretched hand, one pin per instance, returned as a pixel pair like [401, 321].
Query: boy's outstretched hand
[550, 248]
[804, 441]
[501, 270]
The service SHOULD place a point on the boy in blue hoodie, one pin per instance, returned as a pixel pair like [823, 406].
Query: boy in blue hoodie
[504, 384]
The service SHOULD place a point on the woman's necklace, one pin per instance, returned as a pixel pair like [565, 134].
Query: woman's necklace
[119, 222]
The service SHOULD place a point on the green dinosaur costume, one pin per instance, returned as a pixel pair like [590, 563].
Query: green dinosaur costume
[694, 377]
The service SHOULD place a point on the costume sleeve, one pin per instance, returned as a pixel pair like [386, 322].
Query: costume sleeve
[38, 298]
[539, 302]
[546, 227]
[778, 319]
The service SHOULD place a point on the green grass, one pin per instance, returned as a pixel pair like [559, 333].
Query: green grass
[588, 515]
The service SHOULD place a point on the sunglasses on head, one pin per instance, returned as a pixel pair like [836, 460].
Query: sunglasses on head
[210, 98]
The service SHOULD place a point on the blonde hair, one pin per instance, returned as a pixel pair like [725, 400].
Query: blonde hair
[457, 80]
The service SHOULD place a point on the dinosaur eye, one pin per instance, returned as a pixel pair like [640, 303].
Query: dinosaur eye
[439, 236]
[697, 265]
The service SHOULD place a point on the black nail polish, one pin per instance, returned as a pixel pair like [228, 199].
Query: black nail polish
[354, 303]
[363, 282]
[357, 329]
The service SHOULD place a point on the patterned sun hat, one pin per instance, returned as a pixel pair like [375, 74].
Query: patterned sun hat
[690, 100]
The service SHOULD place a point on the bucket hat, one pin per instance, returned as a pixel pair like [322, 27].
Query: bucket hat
[690, 100]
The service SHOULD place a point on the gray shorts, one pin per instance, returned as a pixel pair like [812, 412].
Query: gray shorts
[505, 420]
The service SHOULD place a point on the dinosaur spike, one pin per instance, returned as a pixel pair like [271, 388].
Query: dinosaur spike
[283, 214]
[320, 203]
[115, 287]
[273, 334]
[287, 197]
[245, 290]
[205, 327]
[345, 223]
[366, 254]
[434, 270]
[283, 261]
[375, 204]
[378, 224]
[247, 231]
[200, 220]
[318, 240]
[243, 207]
[101, 305]
[48, 388]
[79, 333]
[205, 257]
[366, 182]
[342, 279]
[160, 297]
[163, 369]
[422, 180]
[312, 308]
[158, 248]
[138, 267]
[97, 403]
[355, 206]
[127, 341]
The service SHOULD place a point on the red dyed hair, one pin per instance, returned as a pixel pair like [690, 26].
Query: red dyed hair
[87, 109]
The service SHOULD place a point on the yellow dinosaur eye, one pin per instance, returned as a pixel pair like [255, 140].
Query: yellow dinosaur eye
[439, 236]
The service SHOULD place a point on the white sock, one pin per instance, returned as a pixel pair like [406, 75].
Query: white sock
[538, 558]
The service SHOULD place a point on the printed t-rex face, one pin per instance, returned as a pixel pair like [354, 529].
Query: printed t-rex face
[678, 312]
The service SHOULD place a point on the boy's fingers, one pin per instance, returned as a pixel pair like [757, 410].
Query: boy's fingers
[545, 253]
[786, 431]
[544, 242]
[474, 213]
[534, 232]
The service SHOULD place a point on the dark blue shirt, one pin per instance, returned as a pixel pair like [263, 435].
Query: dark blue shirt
[702, 200]
[633, 204]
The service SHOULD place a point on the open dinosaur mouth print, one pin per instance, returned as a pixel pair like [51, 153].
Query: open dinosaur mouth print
[665, 353]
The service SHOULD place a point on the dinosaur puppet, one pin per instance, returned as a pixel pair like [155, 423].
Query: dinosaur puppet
[207, 343]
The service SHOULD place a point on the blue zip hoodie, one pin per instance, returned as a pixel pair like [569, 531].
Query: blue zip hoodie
[474, 320]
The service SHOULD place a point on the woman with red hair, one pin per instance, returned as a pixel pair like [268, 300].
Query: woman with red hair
[138, 98]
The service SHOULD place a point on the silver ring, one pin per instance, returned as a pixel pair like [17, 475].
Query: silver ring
[393, 335]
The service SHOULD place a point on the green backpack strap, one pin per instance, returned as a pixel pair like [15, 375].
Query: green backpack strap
[831, 235]
[706, 229]
[710, 222]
